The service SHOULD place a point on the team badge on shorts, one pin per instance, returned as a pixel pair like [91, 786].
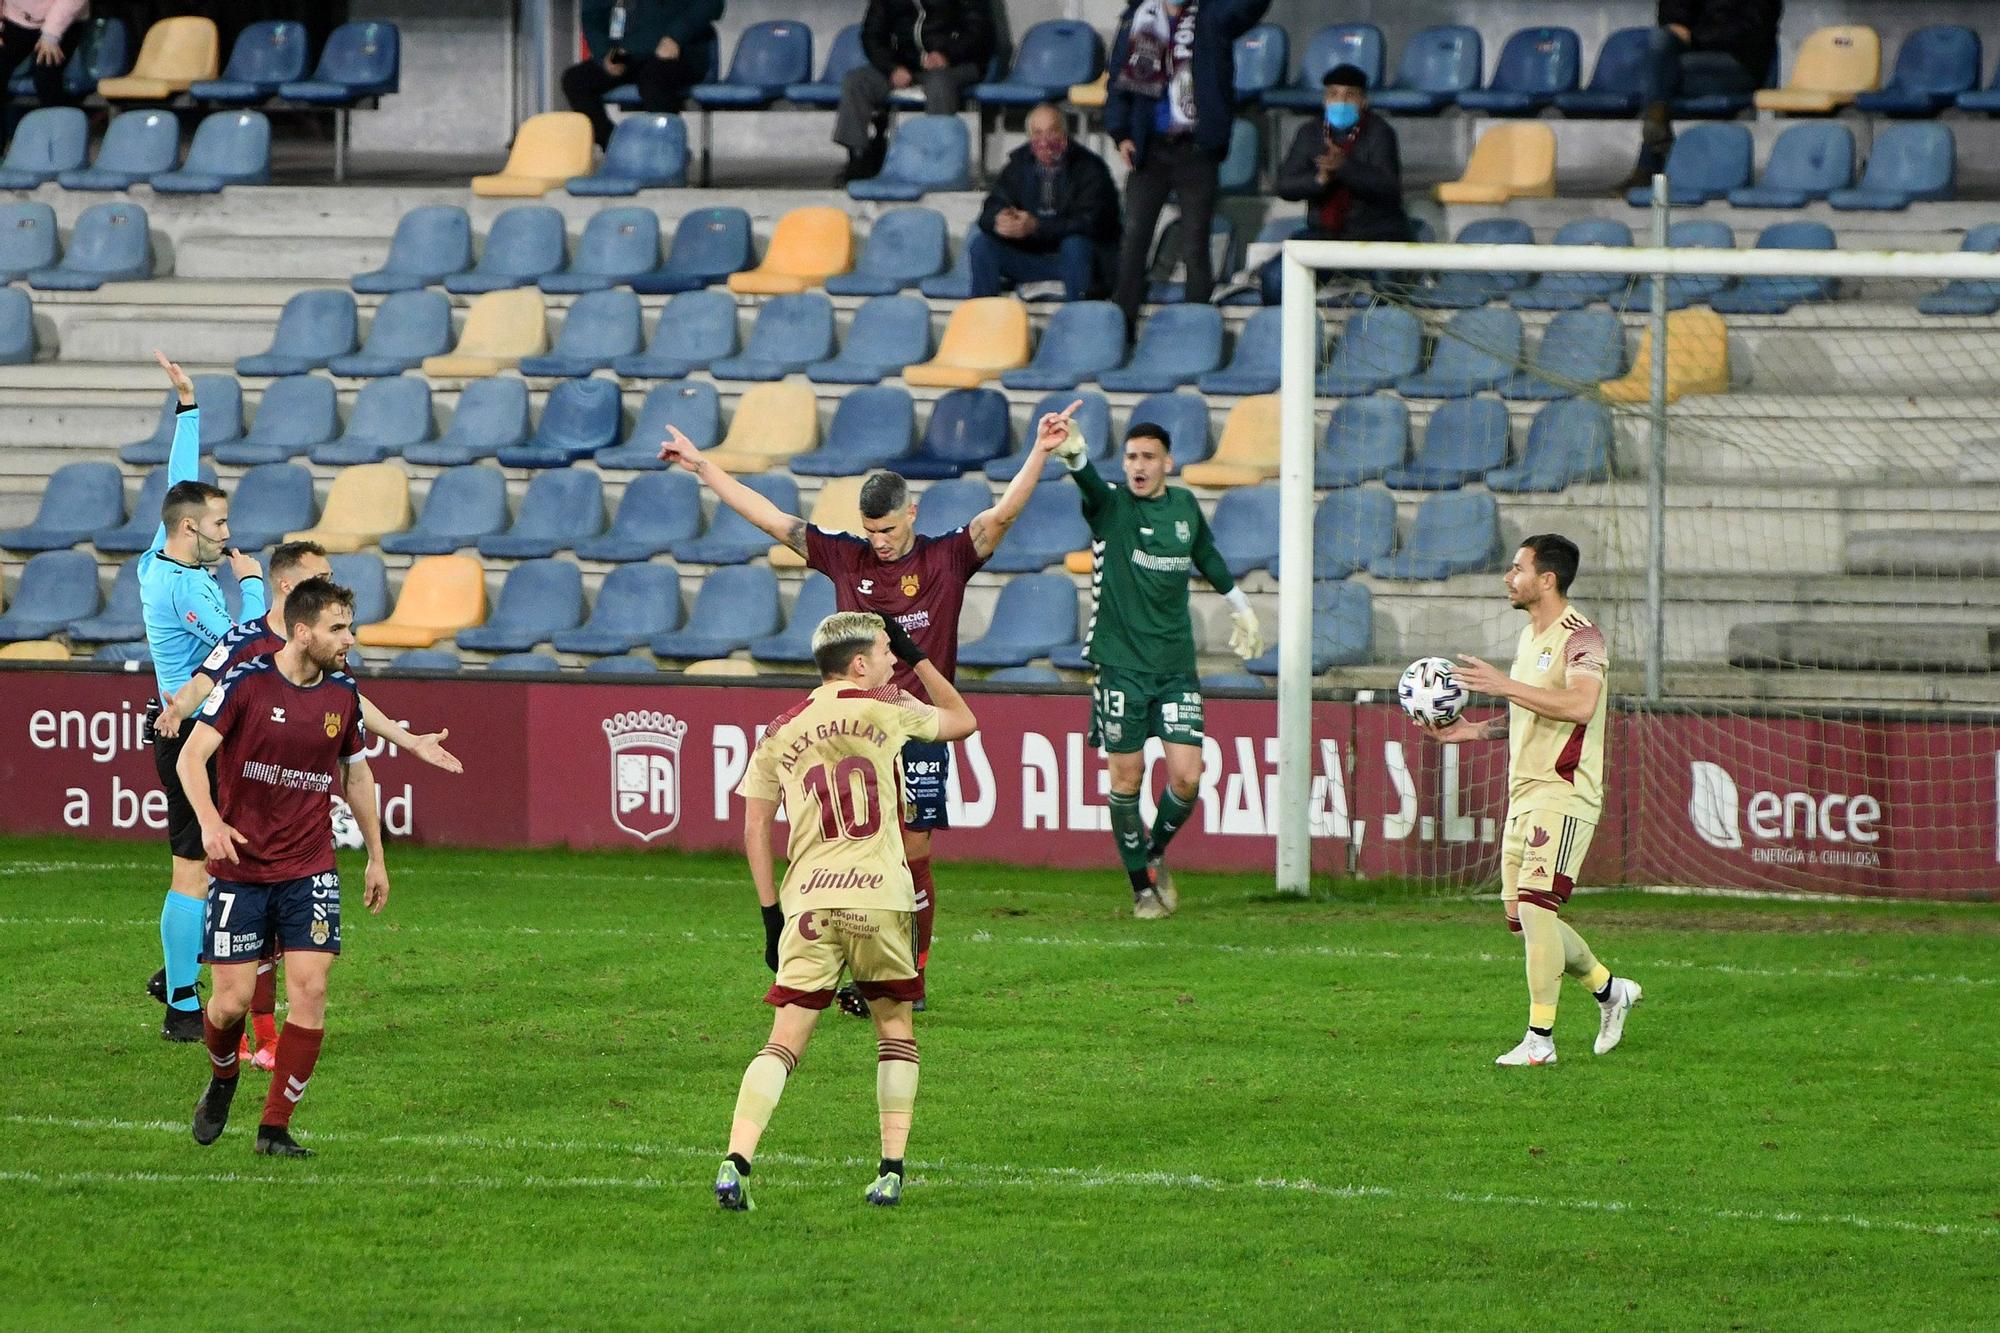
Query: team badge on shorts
[645, 771]
[321, 930]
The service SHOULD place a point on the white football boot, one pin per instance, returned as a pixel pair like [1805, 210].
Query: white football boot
[1535, 1049]
[1611, 1023]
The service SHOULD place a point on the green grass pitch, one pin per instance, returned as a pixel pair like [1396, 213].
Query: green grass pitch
[1260, 1111]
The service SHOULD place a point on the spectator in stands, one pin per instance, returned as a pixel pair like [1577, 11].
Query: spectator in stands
[1169, 107]
[663, 46]
[1347, 170]
[941, 46]
[1701, 48]
[49, 29]
[1052, 216]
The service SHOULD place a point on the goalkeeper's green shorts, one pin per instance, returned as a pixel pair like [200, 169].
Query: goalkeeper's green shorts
[1126, 707]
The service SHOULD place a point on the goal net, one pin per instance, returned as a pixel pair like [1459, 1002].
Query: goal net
[1782, 467]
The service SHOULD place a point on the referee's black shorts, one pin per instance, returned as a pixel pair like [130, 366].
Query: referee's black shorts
[183, 829]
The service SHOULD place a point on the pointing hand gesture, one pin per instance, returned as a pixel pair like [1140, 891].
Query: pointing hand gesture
[176, 377]
[678, 448]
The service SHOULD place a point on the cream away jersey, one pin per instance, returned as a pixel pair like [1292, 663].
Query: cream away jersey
[1554, 766]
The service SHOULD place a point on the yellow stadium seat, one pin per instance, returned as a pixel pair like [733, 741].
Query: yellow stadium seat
[1835, 66]
[500, 329]
[720, 666]
[34, 650]
[548, 150]
[772, 423]
[1090, 96]
[442, 594]
[1248, 453]
[1515, 159]
[984, 338]
[808, 246]
[1080, 562]
[176, 54]
[1697, 360]
[364, 503]
[837, 508]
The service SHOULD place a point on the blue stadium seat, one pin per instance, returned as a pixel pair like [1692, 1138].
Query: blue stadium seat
[269, 501]
[539, 599]
[904, 246]
[1245, 523]
[732, 539]
[527, 664]
[1176, 346]
[628, 664]
[1985, 99]
[1053, 56]
[431, 244]
[1365, 437]
[696, 329]
[1163, 287]
[768, 57]
[48, 141]
[295, 414]
[1466, 439]
[618, 245]
[409, 326]
[28, 239]
[791, 332]
[1475, 350]
[1580, 349]
[267, 54]
[1213, 683]
[1050, 527]
[1070, 657]
[1357, 44]
[492, 414]
[793, 645]
[221, 399]
[1807, 162]
[1535, 66]
[1437, 65]
[56, 589]
[1765, 295]
[926, 153]
[525, 245]
[1573, 291]
[465, 503]
[360, 60]
[843, 56]
[1452, 534]
[123, 619]
[136, 534]
[562, 507]
[1454, 290]
[229, 148]
[634, 603]
[657, 510]
[955, 284]
[1616, 84]
[1683, 289]
[1343, 629]
[1569, 441]
[887, 334]
[1036, 615]
[691, 405]
[580, 417]
[1253, 367]
[1184, 417]
[137, 146]
[736, 606]
[1961, 297]
[968, 429]
[314, 327]
[872, 427]
[1082, 340]
[110, 243]
[1025, 675]
[648, 151]
[1378, 347]
[709, 245]
[1093, 418]
[1906, 163]
[1706, 162]
[950, 505]
[1263, 58]
[1934, 65]
[104, 53]
[137, 651]
[1238, 172]
[389, 416]
[424, 659]
[364, 573]
[600, 327]
[79, 499]
[17, 327]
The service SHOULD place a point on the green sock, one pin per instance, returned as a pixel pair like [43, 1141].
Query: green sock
[1167, 820]
[1129, 830]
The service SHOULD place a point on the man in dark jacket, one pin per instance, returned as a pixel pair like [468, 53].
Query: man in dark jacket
[1052, 215]
[1701, 48]
[941, 46]
[664, 46]
[1347, 169]
[1169, 107]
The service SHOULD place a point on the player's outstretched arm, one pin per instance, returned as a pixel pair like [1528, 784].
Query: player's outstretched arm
[185, 701]
[787, 528]
[990, 525]
[360, 782]
[218, 839]
[1575, 700]
[759, 817]
[1494, 729]
[427, 747]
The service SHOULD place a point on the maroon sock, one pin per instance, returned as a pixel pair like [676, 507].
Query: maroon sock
[920, 876]
[264, 1000]
[222, 1044]
[298, 1052]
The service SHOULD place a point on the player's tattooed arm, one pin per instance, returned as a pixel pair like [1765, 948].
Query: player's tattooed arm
[1495, 730]
[795, 536]
[679, 450]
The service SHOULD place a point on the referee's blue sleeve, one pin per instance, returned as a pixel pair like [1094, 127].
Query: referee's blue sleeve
[256, 598]
[206, 617]
[183, 459]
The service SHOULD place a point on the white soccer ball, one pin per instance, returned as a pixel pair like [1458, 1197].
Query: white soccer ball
[346, 831]
[1430, 692]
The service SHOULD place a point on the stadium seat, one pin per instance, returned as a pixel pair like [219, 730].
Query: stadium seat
[364, 573]
[1378, 347]
[441, 595]
[1247, 454]
[1573, 291]
[837, 508]
[137, 146]
[732, 539]
[55, 589]
[138, 530]
[221, 400]
[390, 415]
[843, 56]
[28, 239]
[563, 506]
[1773, 295]
[950, 505]
[1683, 289]
[465, 504]
[314, 327]
[408, 327]
[657, 510]
[363, 505]
[580, 417]
[1357, 44]
[709, 245]
[793, 645]
[1051, 526]
[693, 406]
[648, 151]
[431, 244]
[176, 54]
[549, 150]
[539, 599]
[1934, 65]
[17, 327]
[1025, 675]
[1616, 84]
[926, 153]
[269, 501]
[1437, 65]
[968, 428]
[1343, 629]
[1962, 297]
[1176, 346]
[1035, 615]
[736, 606]
[1458, 290]
[1512, 160]
[1166, 276]
[1985, 99]
[525, 245]
[1365, 437]
[1051, 56]
[627, 664]
[1245, 522]
[361, 59]
[49, 141]
[1834, 66]
[1569, 441]
[1253, 366]
[1093, 418]
[424, 659]
[500, 329]
[123, 619]
[1083, 339]
[720, 668]
[77, 500]
[635, 603]
[1536, 66]
[808, 246]
[1706, 162]
[1905, 163]
[1070, 657]
[985, 338]
[1184, 417]
[267, 54]
[295, 413]
[1452, 534]
[1263, 57]
[904, 246]
[229, 148]
[528, 664]
[1697, 360]
[954, 284]
[872, 427]
[696, 329]
[103, 53]
[1579, 350]
[1212, 683]
[772, 424]
[791, 333]
[600, 327]
[1807, 162]
[887, 334]
[1475, 350]
[768, 57]
[618, 245]
[491, 415]
[1466, 439]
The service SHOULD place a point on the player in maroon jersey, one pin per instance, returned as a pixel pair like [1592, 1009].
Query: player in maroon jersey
[282, 729]
[917, 580]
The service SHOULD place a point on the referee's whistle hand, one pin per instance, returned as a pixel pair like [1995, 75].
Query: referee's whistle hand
[244, 566]
[220, 841]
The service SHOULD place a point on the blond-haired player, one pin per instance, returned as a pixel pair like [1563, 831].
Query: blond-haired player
[847, 898]
[1555, 787]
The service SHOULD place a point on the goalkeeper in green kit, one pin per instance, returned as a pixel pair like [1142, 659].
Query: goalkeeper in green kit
[1146, 538]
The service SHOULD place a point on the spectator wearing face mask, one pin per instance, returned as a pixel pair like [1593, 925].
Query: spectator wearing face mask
[1052, 216]
[1346, 169]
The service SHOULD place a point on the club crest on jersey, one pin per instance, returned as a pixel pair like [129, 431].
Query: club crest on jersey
[910, 585]
[1539, 838]
[277, 714]
[1181, 532]
[645, 771]
[1542, 662]
[332, 724]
